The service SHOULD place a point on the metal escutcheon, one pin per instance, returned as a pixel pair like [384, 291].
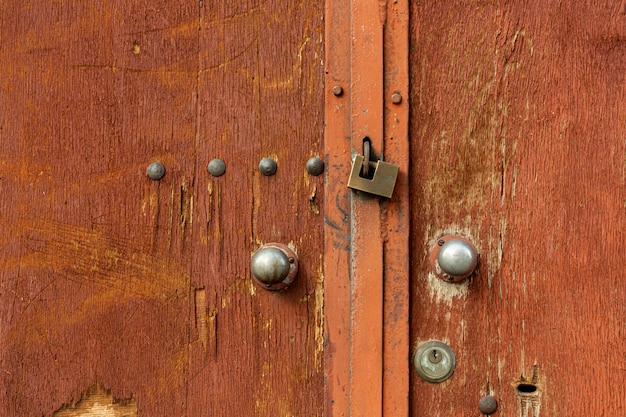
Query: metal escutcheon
[274, 266]
[434, 361]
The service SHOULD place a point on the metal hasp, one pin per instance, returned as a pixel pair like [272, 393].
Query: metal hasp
[454, 258]
[382, 182]
[274, 266]
[434, 361]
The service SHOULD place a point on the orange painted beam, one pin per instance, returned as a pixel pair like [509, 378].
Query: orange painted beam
[337, 211]
[396, 221]
[366, 253]
[366, 303]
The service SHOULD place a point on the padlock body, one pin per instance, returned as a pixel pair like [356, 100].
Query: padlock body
[381, 184]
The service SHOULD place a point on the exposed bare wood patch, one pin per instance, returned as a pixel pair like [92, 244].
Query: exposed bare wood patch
[98, 402]
[201, 316]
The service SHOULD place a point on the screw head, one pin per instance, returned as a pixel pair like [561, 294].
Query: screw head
[315, 166]
[488, 404]
[216, 167]
[155, 171]
[396, 97]
[337, 90]
[268, 166]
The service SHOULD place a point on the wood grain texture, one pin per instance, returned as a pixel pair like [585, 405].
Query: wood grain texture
[518, 126]
[260, 94]
[101, 267]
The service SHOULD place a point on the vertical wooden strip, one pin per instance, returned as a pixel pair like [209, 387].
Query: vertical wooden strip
[367, 257]
[396, 220]
[337, 211]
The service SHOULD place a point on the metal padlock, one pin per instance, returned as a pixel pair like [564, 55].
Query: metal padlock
[382, 182]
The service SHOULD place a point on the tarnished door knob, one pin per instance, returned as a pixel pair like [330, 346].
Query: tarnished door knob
[274, 266]
[454, 258]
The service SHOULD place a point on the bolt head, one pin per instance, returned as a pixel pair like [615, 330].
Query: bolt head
[396, 97]
[155, 171]
[457, 258]
[337, 90]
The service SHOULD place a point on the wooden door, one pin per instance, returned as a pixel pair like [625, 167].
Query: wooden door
[121, 295]
[518, 135]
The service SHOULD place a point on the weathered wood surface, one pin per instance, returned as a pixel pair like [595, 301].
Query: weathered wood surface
[140, 286]
[518, 127]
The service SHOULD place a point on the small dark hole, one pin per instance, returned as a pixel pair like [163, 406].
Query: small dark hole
[526, 388]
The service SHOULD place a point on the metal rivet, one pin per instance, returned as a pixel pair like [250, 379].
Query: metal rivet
[268, 166]
[217, 167]
[337, 90]
[155, 171]
[458, 258]
[396, 97]
[488, 405]
[315, 166]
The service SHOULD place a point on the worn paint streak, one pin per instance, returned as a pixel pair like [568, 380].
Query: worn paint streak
[98, 402]
[103, 260]
[319, 316]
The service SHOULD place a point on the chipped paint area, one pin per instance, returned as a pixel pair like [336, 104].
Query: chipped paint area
[98, 402]
[441, 291]
[319, 316]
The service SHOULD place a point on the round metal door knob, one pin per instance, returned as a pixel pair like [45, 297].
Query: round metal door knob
[274, 266]
[454, 258]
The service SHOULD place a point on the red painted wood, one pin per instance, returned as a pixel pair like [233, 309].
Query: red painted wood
[518, 124]
[94, 273]
[109, 279]
[260, 95]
